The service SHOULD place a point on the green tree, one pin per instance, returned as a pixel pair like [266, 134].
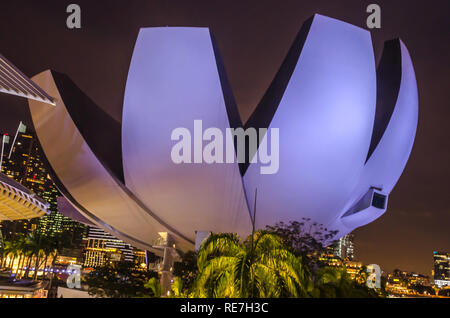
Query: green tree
[21, 246]
[120, 280]
[186, 270]
[178, 290]
[154, 285]
[307, 239]
[261, 266]
[35, 245]
[335, 282]
[4, 253]
[9, 250]
[59, 241]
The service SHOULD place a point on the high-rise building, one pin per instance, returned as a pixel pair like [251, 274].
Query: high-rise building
[15, 154]
[102, 247]
[441, 269]
[344, 247]
[22, 161]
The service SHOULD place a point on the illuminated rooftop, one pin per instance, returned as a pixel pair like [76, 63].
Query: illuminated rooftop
[18, 203]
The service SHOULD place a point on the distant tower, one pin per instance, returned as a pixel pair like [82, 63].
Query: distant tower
[22, 161]
[16, 154]
[441, 269]
[344, 247]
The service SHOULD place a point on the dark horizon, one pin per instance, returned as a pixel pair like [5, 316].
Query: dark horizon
[253, 38]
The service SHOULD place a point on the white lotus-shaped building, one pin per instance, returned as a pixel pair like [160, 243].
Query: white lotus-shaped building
[346, 129]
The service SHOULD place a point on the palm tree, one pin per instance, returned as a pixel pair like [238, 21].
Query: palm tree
[335, 282]
[21, 246]
[33, 250]
[13, 249]
[5, 252]
[57, 244]
[27, 254]
[44, 247]
[261, 266]
[177, 289]
[8, 248]
[48, 249]
[154, 285]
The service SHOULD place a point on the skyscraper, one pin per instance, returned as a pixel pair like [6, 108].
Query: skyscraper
[344, 247]
[441, 269]
[16, 155]
[22, 160]
[102, 247]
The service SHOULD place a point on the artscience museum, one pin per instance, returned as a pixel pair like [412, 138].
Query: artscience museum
[346, 129]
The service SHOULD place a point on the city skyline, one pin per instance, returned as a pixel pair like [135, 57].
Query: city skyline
[23, 161]
[413, 226]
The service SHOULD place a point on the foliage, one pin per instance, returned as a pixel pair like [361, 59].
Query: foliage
[33, 251]
[154, 285]
[278, 262]
[177, 289]
[186, 270]
[275, 263]
[307, 239]
[120, 280]
[261, 266]
[335, 282]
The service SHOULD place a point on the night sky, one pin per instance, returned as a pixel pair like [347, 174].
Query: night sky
[253, 37]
